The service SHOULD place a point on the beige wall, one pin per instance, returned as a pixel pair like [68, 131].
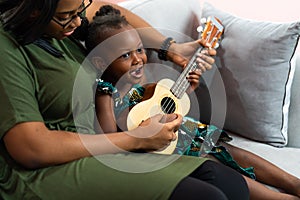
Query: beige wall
[270, 10]
[284, 11]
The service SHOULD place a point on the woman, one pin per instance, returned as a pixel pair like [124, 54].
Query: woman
[43, 154]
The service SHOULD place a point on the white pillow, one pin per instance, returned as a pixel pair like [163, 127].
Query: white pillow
[175, 18]
[255, 60]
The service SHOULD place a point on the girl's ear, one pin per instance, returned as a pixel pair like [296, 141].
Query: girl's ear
[99, 63]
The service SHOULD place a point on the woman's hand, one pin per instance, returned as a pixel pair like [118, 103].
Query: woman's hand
[157, 132]
[181, 53]
[203, 61]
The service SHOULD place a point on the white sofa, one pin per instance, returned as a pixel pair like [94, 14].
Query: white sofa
[182, 16]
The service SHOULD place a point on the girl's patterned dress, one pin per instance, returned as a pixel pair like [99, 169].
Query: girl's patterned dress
[194, 137]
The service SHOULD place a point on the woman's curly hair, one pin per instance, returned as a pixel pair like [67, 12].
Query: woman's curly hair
[26, 19]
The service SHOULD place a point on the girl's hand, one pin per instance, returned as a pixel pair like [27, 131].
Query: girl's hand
[193, 78]
[203, 61]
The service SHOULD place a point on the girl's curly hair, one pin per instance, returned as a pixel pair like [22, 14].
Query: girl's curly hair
[106, 19]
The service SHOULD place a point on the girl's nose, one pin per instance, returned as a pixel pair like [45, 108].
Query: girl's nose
[136, 58]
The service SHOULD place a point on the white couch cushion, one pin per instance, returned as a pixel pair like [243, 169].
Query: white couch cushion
[286, 158]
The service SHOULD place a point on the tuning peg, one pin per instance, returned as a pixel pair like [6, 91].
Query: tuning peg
[200, 29]
[215, 42]
[203, 20]
[216, 45]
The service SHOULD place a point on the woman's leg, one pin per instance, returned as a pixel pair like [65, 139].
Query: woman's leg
[90, 178]
[230, 182]
[195, 189]
[265, 171]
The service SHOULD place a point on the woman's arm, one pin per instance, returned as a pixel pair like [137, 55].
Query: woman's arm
[150, 36]
[177, 53]
[32, 145]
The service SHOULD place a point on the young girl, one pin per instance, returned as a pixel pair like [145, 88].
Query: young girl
[120, 86]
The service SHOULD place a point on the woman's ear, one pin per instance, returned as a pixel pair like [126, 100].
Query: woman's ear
[99, 63]
[34, 14]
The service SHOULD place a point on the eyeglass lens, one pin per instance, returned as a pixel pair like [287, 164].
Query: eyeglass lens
[85, 4]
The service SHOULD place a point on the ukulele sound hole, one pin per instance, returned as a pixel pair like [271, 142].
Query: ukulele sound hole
[167, 105]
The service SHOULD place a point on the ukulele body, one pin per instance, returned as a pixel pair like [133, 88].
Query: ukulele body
[161, 102]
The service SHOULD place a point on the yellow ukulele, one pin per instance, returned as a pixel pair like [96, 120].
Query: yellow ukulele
[169, 96]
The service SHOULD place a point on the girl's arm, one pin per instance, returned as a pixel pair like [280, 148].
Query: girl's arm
[105, 114]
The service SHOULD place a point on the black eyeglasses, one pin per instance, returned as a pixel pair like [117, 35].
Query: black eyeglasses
[79, 13]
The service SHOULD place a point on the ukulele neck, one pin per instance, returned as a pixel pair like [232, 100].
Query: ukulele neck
[211, 34]
[182, 84]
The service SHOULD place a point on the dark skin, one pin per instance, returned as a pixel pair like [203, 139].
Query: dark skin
[267, 173]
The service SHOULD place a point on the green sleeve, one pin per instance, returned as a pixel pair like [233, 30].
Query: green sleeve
[17, 86]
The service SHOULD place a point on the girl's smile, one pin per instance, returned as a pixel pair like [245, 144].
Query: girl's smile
[137, 73]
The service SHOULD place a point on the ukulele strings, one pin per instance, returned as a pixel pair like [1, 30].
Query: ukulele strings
[179, 89]
[181, 85]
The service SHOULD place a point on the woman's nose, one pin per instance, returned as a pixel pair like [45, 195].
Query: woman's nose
[76, 22]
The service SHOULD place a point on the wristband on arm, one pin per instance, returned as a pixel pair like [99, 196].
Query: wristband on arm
[162, 52]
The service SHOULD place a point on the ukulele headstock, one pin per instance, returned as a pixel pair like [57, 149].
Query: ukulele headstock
[211, 30]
